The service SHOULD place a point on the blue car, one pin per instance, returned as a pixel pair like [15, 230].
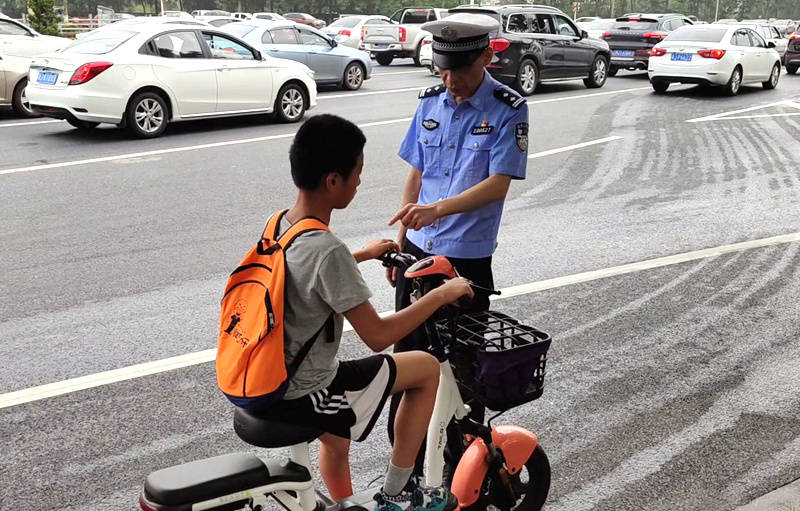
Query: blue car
[332, 63]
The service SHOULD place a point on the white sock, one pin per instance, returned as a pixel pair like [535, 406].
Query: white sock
[396, 479]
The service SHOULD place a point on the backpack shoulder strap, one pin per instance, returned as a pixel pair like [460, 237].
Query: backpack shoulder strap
[272, 229]
[300, 227]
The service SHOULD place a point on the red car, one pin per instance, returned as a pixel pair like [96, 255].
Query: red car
[305, 19]
[792, 61]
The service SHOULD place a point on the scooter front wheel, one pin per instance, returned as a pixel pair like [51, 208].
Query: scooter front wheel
[531, 485]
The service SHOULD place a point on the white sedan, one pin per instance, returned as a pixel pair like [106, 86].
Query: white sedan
[20, 40]
[715, 54]
[145, 76]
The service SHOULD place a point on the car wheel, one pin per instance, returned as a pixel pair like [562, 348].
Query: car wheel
[659, 86]
[791, 69]
[773, 77]
[290, 105]
[83, 125]
[19, 100]
[612, 71]
[527, 78]
[416, 54]
[147, 115]
[735, 82]
[598, 73]
[384, 59]
[353, 76]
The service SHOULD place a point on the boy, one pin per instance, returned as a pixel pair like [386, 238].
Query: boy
[322, 278]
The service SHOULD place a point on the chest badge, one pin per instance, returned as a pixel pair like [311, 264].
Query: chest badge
[483, 129]
[430, 124]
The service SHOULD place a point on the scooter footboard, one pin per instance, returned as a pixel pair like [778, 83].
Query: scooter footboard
[220, 482]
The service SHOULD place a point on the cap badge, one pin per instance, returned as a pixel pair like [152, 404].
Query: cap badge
[448, 33]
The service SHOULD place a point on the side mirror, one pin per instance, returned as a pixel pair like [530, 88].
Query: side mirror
[584, 34]
[259, 56]
[770, 44]
[334, 44]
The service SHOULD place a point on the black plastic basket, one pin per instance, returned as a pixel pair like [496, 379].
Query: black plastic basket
[497, 359]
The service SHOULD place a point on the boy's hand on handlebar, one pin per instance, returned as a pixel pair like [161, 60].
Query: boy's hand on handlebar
[375, 248]
[454, 289]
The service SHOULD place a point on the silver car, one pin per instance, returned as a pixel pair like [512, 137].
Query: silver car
[333, 64]
[13, 81]
[348, 30]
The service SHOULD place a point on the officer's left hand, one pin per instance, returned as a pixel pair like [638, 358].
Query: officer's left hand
[416, 216]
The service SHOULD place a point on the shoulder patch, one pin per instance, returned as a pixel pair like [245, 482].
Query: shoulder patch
[509, 96]
[432, 91]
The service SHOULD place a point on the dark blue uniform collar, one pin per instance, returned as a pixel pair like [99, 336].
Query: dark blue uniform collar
[480, 100]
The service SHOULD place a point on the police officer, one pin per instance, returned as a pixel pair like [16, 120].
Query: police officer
[467, 141]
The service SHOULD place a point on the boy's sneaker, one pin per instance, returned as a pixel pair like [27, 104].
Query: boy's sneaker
[416, 498]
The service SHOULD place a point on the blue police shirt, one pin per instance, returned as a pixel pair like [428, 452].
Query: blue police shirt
[456, 147]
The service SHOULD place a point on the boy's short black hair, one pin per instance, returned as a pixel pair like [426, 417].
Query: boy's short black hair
[324, 143]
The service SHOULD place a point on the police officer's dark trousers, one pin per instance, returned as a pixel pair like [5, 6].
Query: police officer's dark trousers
[478, 271]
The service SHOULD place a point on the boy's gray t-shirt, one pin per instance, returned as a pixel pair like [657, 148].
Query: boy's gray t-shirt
[322, 276]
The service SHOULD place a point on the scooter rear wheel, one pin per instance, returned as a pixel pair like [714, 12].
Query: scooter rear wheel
[532, 484]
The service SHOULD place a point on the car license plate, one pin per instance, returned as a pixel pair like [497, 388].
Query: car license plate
[47, 78]
[380, 45]
[623, 53]
[683, 57]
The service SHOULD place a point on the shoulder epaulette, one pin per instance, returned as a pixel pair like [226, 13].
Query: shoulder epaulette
[508, 96]
[432, 91]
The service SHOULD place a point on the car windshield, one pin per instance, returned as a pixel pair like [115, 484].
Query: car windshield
[418, 16]
[100, 43]
[240, 29]
[635, 25]
[700, 35]
[346, 22]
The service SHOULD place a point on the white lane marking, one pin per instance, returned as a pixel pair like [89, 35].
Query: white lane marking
[575, 146]
[586, 96]
[756, 116]
[10, 125]
[740, 111]
[175, 150]
[401, 72]
[370, 93]
[167, 364]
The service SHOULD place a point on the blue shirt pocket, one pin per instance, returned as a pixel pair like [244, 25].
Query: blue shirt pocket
[431, 144]
[475, 156]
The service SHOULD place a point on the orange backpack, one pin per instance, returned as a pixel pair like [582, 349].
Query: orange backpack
[251, 369]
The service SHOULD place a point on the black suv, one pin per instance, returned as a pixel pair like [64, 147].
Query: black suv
[537, 43]
[631, 37]
[792, 58]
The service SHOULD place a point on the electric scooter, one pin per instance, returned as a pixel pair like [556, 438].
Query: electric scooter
[496, 360]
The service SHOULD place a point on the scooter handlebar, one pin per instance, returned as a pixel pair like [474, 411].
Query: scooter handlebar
[393, 258]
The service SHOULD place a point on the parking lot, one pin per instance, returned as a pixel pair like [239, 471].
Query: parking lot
[672, 384]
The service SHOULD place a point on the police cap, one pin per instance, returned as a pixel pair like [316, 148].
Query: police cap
[459, 39]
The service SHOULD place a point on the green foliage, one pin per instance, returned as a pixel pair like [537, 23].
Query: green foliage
[42, 17]
[329, 9]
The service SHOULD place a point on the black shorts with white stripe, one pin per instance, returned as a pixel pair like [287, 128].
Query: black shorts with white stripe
[350, 405]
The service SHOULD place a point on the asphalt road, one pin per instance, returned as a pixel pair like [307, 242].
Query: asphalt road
[668, 388]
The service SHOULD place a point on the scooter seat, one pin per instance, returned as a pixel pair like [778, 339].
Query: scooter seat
[270, 433]
[198, 481]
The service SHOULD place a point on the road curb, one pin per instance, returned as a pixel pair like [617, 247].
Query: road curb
[785, 498]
